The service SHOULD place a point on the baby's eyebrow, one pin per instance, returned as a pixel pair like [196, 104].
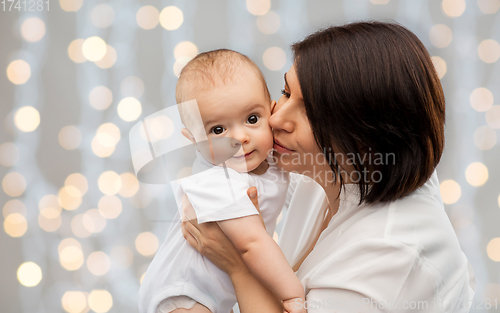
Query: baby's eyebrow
[286, 83]
[255, 106]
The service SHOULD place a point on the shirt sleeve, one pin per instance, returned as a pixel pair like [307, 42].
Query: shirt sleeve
[217, 195]
[373, 275]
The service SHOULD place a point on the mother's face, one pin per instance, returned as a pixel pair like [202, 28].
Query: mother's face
[294, 144]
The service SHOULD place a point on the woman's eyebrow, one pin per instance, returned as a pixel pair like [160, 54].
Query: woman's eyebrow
[286, 83]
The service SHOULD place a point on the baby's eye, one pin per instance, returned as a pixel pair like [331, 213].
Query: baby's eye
[286, 94]
[217, 130]
[252, 119]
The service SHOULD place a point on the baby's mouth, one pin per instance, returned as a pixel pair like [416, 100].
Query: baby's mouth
[241, 156]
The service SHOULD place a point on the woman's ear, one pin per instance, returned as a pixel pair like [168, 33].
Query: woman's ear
[186, 133]
[273, 104]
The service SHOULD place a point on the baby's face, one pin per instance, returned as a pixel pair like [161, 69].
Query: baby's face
[239, 110]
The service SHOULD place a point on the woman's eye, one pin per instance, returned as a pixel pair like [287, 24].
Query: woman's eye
[286, 94]
[217, 130]
[252, 119]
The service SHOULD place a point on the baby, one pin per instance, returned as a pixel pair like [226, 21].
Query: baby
[233, 141]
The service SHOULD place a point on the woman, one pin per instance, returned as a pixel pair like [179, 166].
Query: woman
[362, 114]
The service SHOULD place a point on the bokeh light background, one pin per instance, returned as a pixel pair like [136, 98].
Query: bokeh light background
[79, 230]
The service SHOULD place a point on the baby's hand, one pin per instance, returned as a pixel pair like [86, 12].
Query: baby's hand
[295, 305]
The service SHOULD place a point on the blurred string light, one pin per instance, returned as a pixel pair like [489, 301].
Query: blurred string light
[146, 243]
[94, 48]
[476, 174]
[109, 58]
[18, 72]
[9, 154]
[147, 17]
[110, 183]
[100, 301]
[13, 206]
[102, 15]
[75, 51]
[171, 18]
[100, 97]
[481, 99]
[450, 191]
[489, 51]
[98, 263]
[440, 35]
[105, 140]
[129, 109]
[32, 29]
[274, 58]
[70, 254]
[110, 206]
[130, 185]
[78, 228]
[27, 119]
[108, 135]
[453, 8]
[269, 23]
[93, 221]
[70, 198]
[440, 66]
[49, 218]
[493, 249]
[14, 184]
[15, 225]
[183, 53]
[70, 137]
[380, 2]
[71, 5]
[258, 7]
[489, 6]
[493, 116]
[29, 274]
[485, 137]
[74, 302]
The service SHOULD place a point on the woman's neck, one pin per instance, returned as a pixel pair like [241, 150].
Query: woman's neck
[331, 191]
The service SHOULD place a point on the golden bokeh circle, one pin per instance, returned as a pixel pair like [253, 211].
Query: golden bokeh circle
[29, 274]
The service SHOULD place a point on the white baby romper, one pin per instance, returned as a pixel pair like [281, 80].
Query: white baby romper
[177, 268]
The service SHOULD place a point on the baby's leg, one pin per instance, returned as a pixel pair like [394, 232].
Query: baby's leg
[197, 308]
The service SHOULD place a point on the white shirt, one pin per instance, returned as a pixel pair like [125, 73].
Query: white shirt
[177, 268]
[374, 258]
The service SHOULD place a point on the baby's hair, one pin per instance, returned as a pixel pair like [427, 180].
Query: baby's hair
[213, 69]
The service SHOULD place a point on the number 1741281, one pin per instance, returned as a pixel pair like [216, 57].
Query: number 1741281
[25, 5]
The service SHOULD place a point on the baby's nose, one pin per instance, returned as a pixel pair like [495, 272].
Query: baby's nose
[241, 137]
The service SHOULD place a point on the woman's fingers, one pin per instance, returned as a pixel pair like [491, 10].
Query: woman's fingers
[188, 212]
[191, 234]
[254, 197]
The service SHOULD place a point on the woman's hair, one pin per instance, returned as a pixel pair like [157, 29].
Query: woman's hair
[372, 94]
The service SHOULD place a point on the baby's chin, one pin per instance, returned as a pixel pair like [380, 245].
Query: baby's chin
[243, 166]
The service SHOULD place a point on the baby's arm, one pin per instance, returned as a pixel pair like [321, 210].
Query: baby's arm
[263, 257]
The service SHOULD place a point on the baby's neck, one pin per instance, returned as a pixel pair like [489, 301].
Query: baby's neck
[261, 169]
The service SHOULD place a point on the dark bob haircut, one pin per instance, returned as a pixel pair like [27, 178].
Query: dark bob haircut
[370, 88]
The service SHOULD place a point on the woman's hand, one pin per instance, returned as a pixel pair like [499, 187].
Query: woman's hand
[210, 241]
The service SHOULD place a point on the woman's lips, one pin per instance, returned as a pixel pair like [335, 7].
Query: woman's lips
[278, 146]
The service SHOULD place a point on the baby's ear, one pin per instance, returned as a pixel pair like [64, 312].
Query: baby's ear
[186, 133]
[273, 104]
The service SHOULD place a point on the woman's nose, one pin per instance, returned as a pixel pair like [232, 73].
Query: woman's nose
[281, 119]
